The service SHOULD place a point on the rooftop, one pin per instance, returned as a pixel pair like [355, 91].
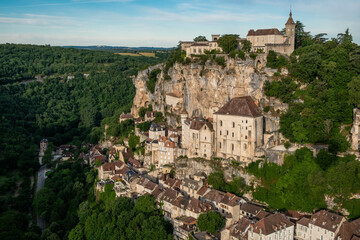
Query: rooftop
[240, 106]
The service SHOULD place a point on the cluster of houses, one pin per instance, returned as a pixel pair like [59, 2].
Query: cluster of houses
[182, 201]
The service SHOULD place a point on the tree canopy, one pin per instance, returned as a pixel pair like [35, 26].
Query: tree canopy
[200, 39]
[210, 221]
[228, 42]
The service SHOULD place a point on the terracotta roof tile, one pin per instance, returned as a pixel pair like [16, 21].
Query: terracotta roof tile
[260, 32]
[240, 106]
[327, 220]
[269, 224]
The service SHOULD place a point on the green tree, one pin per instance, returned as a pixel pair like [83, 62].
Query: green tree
[228, 42]
[246, 46]
[200, 39]
[133, 141]
[354, 90]
[210, 221]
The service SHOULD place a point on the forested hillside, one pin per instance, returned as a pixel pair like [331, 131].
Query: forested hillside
[322, 88]
[63, 109]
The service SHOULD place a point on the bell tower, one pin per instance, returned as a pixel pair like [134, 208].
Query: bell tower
[290, 32]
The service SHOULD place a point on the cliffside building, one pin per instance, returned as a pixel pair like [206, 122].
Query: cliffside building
[273, 39]
[199, 48]
[238, 127]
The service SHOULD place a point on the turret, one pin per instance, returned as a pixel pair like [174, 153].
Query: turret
[290, 32]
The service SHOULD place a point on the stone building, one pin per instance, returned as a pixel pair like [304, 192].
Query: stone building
[322, 225]
[238, 127]
[174, 98]
[275, 226]
[197, 136]
[156, 131]
[273, 39]
[199, 48]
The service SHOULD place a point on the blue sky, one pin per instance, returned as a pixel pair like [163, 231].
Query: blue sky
[163, 23]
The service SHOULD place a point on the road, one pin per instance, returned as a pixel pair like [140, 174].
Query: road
[39, 185]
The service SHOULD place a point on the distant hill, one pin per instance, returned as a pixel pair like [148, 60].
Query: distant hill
[119, 48]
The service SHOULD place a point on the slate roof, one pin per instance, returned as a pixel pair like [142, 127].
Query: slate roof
[326, 220]
[269, 224]
[169, 195]
[240, 106]
[261, 32]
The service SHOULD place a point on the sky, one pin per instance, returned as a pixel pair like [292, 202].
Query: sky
[156, 23]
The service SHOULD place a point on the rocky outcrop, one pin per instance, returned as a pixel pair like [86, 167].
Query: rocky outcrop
[205, 87]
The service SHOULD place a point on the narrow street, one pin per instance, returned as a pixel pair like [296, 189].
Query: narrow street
[39, 185]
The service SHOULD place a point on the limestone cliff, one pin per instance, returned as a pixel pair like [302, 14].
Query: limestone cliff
[205, 87]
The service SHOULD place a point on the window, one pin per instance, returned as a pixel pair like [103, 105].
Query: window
[205, 138]
[220, 132]
[232, 134]
[194, 50]
[246, 121]
[205, 127]
[227, 132]
[220, 144]
[245, 146]
[200, 51]
[232, 147]
[233, 124]
[245, 137]
[220, 123]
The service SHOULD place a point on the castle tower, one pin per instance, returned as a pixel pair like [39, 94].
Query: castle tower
[290, 32]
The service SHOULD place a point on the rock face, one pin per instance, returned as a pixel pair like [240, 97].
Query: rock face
[205, 87]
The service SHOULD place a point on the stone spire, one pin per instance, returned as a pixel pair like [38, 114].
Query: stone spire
[290, 19]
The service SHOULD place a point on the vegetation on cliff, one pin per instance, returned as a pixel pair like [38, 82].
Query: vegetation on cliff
[329, 71]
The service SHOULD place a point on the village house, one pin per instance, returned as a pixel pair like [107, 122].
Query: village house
[190, 187]
[272, 39]
[238, 130]
[167, 151]
[156, 131]
[197, 136]
[150, 116]
[349, 231]
[125, 116]
[250, 210]
[322, 225]
[172, 99]
[237, 231]
[275, 226]
[302, 227]
[183, 226]
[199, 48]
[108, 170]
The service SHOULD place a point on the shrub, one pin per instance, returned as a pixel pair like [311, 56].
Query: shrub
[150, 84]
[220, 61]
[241, 55]
[253, 55]
[266, 109]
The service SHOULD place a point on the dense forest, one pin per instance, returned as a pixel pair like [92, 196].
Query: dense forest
[77, 92]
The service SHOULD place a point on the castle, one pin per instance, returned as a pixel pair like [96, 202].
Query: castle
[261, 39]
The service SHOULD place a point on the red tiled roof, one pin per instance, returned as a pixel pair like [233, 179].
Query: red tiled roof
[260, 32]
[239, 229]
[304, 221]
[349, 230]
[126, 116]
[202, 190]
[327, 220]
[240, 106]
[251, 208]
[269, 224]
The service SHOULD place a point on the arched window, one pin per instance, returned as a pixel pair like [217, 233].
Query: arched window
[220, 123]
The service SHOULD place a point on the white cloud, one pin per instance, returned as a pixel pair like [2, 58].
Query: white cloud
[40, 20]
